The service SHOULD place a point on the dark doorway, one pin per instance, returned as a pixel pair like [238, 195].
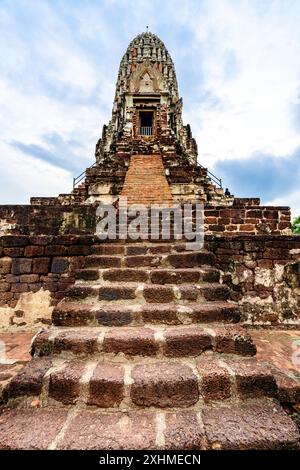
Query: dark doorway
[146, 121]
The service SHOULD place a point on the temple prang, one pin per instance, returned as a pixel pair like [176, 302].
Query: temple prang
[146, 120]
[148, 344]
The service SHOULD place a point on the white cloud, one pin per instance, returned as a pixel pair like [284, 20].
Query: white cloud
[59, 65]
[23, 176]
[249, 64]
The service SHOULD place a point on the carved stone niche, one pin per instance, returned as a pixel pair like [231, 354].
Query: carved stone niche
[147, 79]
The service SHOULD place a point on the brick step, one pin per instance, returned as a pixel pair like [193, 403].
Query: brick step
[253, 425]
[154, 275]
[114, 314]
[154, 293]
[136, 249]
[175, 383]
[179, 260]
[154, 341]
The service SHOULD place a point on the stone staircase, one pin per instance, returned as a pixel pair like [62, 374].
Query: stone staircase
[145, 181]
[145, 353]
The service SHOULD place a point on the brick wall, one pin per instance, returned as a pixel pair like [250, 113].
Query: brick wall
[81, 219]
[248, 219]
[263, 272]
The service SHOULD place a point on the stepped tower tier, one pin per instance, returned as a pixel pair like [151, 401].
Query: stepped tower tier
[147, 106]
[147, 121]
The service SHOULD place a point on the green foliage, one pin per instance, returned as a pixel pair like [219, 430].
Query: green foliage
[296, 225]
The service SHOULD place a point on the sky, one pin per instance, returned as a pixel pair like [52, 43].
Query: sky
[238, 70]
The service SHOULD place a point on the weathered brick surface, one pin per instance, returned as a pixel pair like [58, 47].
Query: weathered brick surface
[112, 293]
[102, 261]
[5, 265]
[242, 258]
[249, 426]
[106, 387]
[29, 381]
[64, 383]
[72, 314]
[125, 275]
[215, 311]
[233, 340]
[186, 342]
[253, 379]
[33, 429]
[142, 260]
[160, 313]
[76, 341]
[183, 431]
[215, 380]
[115, 316]
[189, 260]
[110, 431]
[158, 294]
[131, 341]
[145, 181]
[164, 385]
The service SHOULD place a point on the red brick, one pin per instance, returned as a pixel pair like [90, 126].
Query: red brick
[112, 293]
[32, 429]
[215, 380]
[102, 261]
[183, 432]
[125, 275]
[20, 288]
[233, 340]
[5, 265]
[253, 379]
[29, 381]
[131, 341]
[247, 228]
[250, 426]
[106, 388]
[189, 260]
[59, 265]
[142, 260]
[164, 385]
[158, 294]
[29, 278]
[41, 265]
[21, 266]
[189, 341]
[160, 313]
[65, 383]
[55, 250]
[32, 251]
[110, 431]
[76, 341]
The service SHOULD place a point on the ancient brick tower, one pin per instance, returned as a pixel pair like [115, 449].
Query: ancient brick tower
[147, 346]
[145, 143]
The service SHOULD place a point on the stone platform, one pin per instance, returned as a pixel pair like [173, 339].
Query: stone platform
[158, 353]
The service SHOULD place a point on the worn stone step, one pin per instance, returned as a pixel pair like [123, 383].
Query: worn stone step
[176, 260]
[154, 275]
[154, 293]
[102, 261]
[253, 425]
[126, 249]
[151, 383]
[114, 314]
[178, 341]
